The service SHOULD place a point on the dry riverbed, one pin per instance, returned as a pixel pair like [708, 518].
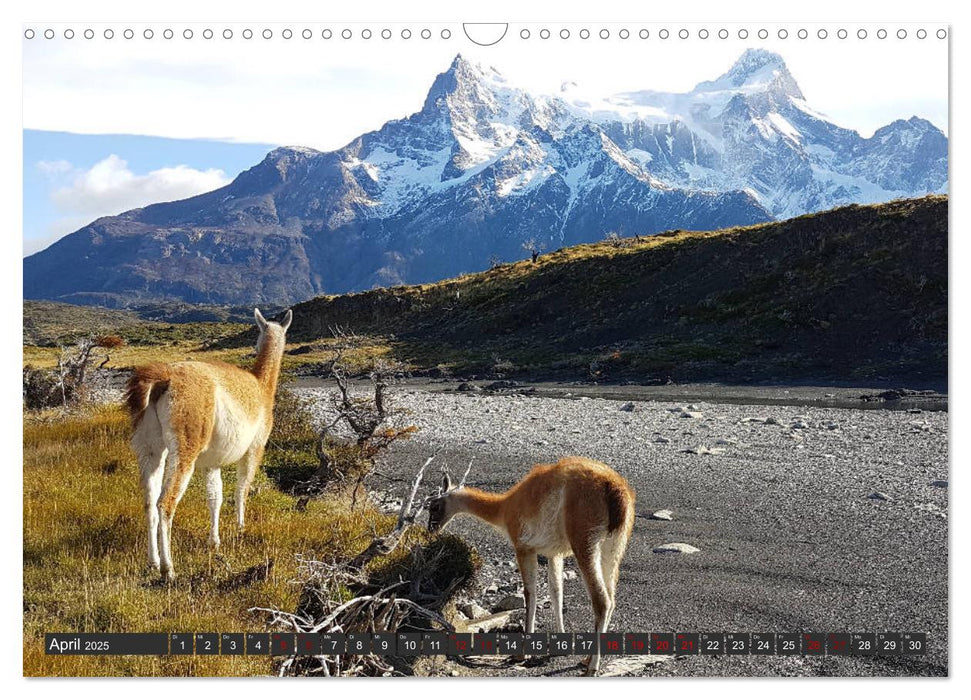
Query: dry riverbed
[806, 518]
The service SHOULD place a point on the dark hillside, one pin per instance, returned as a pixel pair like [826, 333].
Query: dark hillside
[851, 293]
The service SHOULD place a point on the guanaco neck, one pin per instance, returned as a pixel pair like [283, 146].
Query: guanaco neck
[482, 504]
[267, 365]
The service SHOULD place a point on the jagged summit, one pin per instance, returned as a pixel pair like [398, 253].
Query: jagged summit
[756, 70]
[465, 78]
[750, 63]
[483, 167]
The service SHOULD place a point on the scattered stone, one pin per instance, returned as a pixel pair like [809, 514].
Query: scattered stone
[468, 386]
[492, 588]
[662, 515]
[472, 610]
[878, 496]
[631, 665]
[932, 509]
[628, 407]
[897, 394]
[760, 419]
[661, 439]
[569, 575]
[501, 385]
[940, 483]
[453, 672]
[799, 425]
[515, 601]
[704, 450]
[692, 407]
[676, 548]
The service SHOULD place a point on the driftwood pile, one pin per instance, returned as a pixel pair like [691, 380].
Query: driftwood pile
[406, 605]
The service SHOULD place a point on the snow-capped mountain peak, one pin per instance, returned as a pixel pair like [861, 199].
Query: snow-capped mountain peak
[484, 166]
[756, 70]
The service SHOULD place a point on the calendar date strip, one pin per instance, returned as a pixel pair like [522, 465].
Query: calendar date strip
[482, 644]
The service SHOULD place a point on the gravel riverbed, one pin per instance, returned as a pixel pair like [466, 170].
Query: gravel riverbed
[806, 519]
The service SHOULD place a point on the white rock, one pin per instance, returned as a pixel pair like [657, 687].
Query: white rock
[569, 575]
[692, 414]
[704, 450]
[515, 601]
[631, 665]
[662, 515]
[676, 548]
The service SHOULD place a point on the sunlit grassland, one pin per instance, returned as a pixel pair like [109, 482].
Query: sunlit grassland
[84, 552]
[319, 352]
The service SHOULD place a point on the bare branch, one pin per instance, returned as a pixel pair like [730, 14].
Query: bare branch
[405, 515]
[466, 474]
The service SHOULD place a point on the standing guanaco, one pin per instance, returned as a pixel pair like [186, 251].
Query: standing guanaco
[577, 506]
[208, 414]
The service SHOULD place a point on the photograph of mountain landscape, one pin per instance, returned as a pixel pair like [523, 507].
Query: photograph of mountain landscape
[706, 276]
[483, 168]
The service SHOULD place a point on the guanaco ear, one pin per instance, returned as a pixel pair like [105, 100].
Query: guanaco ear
[287, 319]
[446, 482]
[260, 321]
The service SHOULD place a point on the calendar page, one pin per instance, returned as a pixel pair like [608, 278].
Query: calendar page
[512, 349]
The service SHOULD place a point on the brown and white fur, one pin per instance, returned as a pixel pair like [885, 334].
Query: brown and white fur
[189, 414]
[577, 506]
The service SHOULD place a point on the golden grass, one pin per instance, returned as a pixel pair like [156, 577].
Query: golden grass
[84, 542]
[129, 356]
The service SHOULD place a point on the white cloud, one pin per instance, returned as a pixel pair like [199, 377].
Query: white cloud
[110, 187]
[53, 168]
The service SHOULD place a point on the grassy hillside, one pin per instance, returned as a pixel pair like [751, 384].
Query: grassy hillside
[853, 293]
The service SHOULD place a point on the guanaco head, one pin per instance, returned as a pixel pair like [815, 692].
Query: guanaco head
[441, 507]
[271, 331]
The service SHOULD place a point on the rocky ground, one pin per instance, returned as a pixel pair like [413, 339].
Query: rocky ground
[805, 519]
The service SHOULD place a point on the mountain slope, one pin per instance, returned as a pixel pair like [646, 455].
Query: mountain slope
[854, 293]
[483, 168]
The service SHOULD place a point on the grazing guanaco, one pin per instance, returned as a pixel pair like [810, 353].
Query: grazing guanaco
[206, 414]
[577, 506]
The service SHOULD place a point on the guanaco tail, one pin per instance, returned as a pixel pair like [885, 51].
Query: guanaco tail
[205, 414]
[576, 507]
